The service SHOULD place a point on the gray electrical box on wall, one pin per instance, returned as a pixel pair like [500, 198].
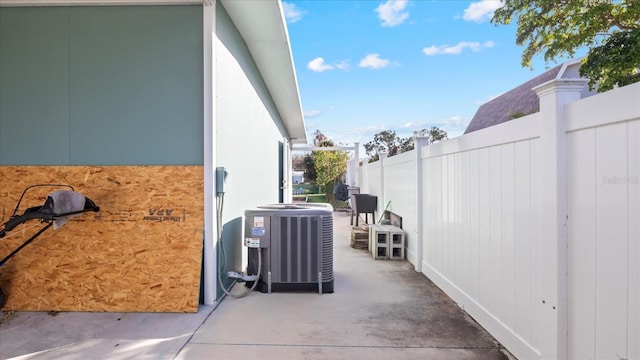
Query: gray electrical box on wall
[221, 178]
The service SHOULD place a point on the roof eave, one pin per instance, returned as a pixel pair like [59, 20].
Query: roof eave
[262, 25]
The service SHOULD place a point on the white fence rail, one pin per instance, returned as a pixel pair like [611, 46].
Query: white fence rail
[532, 226]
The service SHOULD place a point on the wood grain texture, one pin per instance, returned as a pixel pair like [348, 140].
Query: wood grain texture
[141, 252]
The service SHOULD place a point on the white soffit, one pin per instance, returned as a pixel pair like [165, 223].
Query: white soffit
[262, 25]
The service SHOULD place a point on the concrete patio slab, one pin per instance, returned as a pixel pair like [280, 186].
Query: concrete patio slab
[380, 310]
[81, 335]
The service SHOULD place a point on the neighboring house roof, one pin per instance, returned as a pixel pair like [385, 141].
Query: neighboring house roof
[262, 25]
[519, 101]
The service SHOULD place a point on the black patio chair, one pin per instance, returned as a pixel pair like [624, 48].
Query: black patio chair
[363, 204]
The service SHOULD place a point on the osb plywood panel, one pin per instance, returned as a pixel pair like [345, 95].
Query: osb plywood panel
[141, 252]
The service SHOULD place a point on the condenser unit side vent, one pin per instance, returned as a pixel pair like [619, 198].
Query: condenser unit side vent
[327, 248]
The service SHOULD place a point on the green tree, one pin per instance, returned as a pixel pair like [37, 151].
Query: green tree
[387, 141]
[297, 162]
[330, 166]
[434, 134]
[309, 168]
[613, 62]
[609, 28]
[319, 139]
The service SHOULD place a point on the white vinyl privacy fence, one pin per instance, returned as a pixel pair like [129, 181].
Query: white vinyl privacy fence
[532, 226]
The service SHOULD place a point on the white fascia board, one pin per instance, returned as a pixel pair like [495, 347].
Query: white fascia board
[263, 28]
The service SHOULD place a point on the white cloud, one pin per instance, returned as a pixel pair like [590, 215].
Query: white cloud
[343, 65]
[456, 49]
[363, 132]
[454, 121]
[482, 10]
[318, 65]
[374, 61]
[292, 13]
[454, 125]
[371, 129]
[392, 13]
[312, 113]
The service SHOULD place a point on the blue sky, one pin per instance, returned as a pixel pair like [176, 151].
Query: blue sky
[403, 65]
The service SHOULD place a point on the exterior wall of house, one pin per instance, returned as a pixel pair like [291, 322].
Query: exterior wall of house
[84, 89]
[532, 225]
[146, 85]
[101, 85]
[249, 132]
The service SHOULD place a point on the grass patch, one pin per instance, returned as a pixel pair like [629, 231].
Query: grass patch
[305, 189]
[316, 198]
[320, 198]
[339, 204]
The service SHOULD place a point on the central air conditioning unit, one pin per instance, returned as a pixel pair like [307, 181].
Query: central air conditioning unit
[295, 242]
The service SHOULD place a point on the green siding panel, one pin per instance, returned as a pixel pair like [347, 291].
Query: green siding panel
[112, 85]
[34, 86]
[136, 85]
